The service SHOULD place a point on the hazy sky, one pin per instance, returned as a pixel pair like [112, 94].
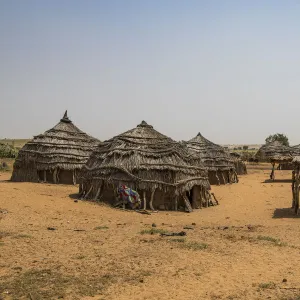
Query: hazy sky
[229, 69]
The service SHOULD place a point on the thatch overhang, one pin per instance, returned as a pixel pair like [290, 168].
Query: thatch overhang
[63, 147]
[275, 152]
[145, 159]
[296, 160]
[295, 150]
[213, 156]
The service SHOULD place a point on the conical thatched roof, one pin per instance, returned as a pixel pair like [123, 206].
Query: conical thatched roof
[214, 157]
[64, 146]
[145, 159]
[274, 151]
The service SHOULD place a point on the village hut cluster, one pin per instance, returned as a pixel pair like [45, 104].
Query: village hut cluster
[150, 169]
[142, 168]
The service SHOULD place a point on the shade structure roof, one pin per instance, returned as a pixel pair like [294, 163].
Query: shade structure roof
[213, 156]
[64, 146]
[146, 159]
[275, 151]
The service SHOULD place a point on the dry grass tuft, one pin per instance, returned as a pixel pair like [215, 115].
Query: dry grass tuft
[275, 241]
[191, 245]
[267, 285]
[101, 228]
[49, 284]
[153, 231]
[22, 236]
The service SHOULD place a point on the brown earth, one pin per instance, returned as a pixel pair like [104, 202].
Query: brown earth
[256, 247]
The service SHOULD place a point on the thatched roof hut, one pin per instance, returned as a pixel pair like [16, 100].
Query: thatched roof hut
[54, 156]
[240, 166]
[161, 170]
[275, 152]
[215, 158]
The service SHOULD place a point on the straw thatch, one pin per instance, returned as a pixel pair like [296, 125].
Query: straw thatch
[274, 152]
[240, 166]
[54, 156]
[160, 169]
[295, 150]
[215, 158]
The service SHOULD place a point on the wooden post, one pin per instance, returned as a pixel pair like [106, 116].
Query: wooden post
[58, 171]
[74, 177]
[195, 197]
[45, 176]
[201, 197]
[218, 179]
[87, 194]
[293, 188]
[97, 194]
[145, 202]
[297, 192]
[223, 177]
[54, 175]
[176, 203]
[236, 176]
[187, 203]
[272, 176]
[151, 200]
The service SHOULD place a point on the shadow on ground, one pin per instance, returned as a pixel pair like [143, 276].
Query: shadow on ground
[74, 196]
[277, 181]
[283, 213]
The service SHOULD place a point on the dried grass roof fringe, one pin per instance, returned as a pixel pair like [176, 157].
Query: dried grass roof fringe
[295, 150]
[64, 146]
[213, 156]
[275, 152]
[296, 160]
[146, 159]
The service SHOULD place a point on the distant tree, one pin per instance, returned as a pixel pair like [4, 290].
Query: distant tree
[280, 137]
[245, 147]
[239, 148]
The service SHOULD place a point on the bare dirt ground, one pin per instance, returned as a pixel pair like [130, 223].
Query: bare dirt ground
[248, 247]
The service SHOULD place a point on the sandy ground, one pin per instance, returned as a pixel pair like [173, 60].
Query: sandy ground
[242, 249]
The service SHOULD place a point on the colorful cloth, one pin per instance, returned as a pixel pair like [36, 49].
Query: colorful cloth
[129, 196]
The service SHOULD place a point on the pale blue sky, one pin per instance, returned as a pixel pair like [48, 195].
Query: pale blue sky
[229, 69]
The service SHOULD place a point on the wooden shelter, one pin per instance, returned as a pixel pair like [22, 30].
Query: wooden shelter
[215, 158]
[296, 183]
[55, 156]
[274, 152]
[161, 170]
[240, 166]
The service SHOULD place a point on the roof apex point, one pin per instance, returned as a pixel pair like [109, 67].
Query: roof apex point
[144, 124]
[66, 118]
[199, 134]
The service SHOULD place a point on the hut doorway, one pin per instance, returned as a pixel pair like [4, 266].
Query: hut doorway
[194, 197]
[45, 176]
[66, 177]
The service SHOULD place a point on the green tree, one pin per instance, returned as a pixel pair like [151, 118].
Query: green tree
[280, 137]
[245, 147]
